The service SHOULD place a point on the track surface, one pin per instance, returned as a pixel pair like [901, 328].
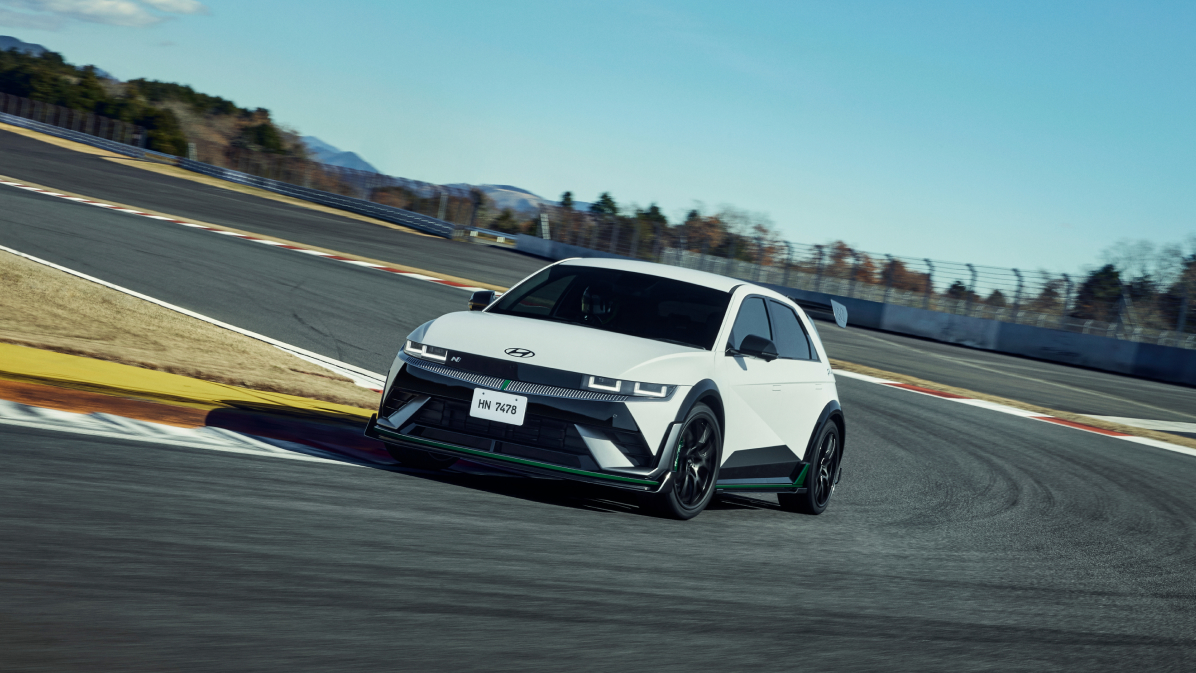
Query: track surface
[99, 178]
[960, 539]
[1051, 385]
[1061, 550]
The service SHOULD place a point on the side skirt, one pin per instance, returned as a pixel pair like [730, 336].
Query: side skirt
[765, 485]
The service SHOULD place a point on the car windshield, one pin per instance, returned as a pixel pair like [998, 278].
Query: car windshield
[628, 303]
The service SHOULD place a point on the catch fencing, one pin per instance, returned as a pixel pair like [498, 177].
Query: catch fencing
[1038, 298]
[78, 122]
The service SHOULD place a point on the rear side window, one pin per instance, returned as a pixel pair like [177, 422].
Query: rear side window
[788, 335]
[752, 319]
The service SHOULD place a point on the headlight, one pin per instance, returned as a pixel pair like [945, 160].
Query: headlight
[425, 351]
[619, 387]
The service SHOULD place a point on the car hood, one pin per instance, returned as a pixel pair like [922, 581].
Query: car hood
[555, 345]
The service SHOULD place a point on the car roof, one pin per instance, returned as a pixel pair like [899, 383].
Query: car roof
[710, 280]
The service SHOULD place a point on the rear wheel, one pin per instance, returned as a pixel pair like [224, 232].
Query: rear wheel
[420, 460]
[699, 452]
[820, 477]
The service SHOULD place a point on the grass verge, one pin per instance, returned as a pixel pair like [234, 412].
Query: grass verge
[48, 309]
[1065, 415]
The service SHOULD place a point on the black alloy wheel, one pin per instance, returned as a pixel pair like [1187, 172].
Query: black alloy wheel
[697, 457]
[420, 460]
[820, 476]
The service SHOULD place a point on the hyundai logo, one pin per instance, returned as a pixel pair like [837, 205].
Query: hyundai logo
[519, 353]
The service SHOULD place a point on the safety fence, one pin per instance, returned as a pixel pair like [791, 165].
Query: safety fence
[1005, 295]
[83, 123]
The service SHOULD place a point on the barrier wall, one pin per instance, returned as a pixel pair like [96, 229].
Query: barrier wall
[555, 250]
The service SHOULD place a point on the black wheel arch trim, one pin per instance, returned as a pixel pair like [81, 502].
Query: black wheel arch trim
[832, 410]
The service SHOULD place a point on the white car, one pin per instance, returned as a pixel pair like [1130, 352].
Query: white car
[667, 381]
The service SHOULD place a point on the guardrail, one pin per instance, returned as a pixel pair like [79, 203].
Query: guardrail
[424, 223]
[69, 134]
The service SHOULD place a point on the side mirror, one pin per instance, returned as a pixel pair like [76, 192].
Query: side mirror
[480, 299]
[758, 347]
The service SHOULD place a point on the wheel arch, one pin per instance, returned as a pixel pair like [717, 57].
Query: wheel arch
[705, 391]
[831, 412]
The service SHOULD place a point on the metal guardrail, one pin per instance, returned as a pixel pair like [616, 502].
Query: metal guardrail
[77, 136]
[406, 218]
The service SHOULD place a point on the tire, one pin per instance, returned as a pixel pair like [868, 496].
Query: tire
[821, 476]
[420, 460]
[699, 452]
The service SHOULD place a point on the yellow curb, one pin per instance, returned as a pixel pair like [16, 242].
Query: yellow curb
[19, 363]
[254, 234]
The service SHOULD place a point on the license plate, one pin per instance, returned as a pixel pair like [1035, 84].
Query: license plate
[495, 406]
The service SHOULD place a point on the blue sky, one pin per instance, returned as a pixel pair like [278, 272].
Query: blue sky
[1030, 134]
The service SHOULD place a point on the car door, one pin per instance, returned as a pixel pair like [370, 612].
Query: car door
[753, 388]
[805, 387]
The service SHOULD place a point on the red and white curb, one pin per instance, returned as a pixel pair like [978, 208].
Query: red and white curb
[206, 227]
[1014, 411]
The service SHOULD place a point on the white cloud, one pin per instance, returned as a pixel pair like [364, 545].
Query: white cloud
[133, 13]
[34, 21]
[177, 6]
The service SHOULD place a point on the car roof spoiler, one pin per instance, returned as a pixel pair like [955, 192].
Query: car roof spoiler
[834, 310]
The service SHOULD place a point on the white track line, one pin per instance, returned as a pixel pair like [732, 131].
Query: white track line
[118, 427]
[122, 209]
[1014, 411]
[362, 377]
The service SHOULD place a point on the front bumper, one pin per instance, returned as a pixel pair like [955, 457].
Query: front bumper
[595, 441]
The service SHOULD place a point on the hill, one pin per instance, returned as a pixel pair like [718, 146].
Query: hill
[324, 153]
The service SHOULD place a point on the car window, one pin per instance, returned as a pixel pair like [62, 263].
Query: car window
[635, 304]
[789, 336]
[541, 300]
[752, 319]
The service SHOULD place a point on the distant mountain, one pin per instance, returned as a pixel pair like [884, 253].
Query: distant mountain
[519, 200]
[328, 154]
[8, 42]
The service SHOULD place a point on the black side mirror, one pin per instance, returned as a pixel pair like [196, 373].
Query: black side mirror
[758, 347]
[480, 299]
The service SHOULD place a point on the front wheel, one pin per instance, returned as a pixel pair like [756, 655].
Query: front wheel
[699, 452]
[420, 460]
[820, 477]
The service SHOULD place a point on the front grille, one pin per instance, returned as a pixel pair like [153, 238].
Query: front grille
[516, 386]
[536, 431]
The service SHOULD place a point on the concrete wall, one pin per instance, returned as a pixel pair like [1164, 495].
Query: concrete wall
[554, 250]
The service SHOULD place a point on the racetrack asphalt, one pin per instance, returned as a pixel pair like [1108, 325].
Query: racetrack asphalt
[96, 177]
[958, 540]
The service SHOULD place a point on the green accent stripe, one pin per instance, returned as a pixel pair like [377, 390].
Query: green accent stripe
[797, 483]
[505, 383]
[512, 459]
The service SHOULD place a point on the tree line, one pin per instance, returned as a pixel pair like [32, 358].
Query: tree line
[153, 105]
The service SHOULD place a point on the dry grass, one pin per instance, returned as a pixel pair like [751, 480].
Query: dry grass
[52, 310]
[1065, 415]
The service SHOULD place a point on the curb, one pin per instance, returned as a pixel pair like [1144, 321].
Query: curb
[24, 365]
